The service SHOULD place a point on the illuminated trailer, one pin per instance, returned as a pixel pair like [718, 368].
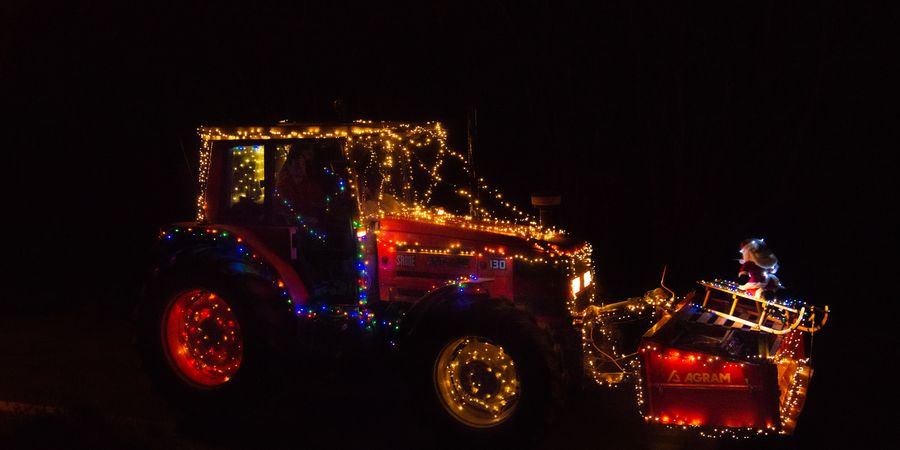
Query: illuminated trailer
[727, 363]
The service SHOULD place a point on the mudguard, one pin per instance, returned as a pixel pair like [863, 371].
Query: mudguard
[563, 338]
[232, 253]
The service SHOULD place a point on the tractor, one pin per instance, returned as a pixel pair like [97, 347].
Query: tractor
[352, 237]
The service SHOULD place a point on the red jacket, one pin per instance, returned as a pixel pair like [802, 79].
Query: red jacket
[760, 279]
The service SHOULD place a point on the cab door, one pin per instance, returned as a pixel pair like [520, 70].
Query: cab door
[295, 196]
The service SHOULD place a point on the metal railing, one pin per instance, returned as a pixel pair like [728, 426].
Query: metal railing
[795, 319]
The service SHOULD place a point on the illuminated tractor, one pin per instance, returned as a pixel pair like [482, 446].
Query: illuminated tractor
[356, 239]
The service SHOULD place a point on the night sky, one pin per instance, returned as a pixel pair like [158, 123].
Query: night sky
[672, 130]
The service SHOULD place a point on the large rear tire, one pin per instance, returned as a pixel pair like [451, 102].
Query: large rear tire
[200, 342]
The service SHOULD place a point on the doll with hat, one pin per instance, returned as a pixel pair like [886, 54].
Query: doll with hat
[758, 267]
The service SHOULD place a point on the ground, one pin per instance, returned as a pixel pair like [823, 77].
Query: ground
[73, 380]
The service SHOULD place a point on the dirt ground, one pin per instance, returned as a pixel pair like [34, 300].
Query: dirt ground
[73, 379]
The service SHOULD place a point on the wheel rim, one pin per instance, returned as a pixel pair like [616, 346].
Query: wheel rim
[477, 382]
[202, 338]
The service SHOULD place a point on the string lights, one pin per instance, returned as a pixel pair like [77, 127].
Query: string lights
[203, 337]
[477, 381]
[249, 172]
[399, 158]
[773, 360]
[397, 170]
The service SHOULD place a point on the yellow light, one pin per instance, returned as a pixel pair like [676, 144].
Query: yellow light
[576, 286]
[587, 278]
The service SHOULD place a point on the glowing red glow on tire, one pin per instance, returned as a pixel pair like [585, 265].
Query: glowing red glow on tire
[202, 338]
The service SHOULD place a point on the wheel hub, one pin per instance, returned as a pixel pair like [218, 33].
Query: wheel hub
[203, 339]
[477, 382]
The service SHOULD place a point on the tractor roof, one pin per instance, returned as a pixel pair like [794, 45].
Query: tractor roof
[296, 130]
[406, 153]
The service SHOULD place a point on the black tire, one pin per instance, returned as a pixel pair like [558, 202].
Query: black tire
[242, 295]
[499, 322]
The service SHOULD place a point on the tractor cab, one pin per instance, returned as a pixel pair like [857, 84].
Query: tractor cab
[334, 200]
[295, 196]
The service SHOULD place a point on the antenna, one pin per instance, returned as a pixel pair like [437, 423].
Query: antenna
[471, 125]
[187, 162]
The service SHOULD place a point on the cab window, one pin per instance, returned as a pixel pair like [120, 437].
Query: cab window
[248, 174]
[246, 183]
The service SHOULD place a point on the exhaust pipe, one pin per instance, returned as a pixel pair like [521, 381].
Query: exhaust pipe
[546, 203]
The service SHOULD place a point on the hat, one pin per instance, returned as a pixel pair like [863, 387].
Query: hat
[752, 241]
[759, 253]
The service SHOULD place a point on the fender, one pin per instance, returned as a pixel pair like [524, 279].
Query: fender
[452, 297]
[237, 250]
[564, 338]
[233, 251]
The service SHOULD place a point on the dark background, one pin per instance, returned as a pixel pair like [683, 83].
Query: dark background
[672, 130]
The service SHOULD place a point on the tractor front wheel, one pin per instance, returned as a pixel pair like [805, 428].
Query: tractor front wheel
[477, 382]
[486, 373]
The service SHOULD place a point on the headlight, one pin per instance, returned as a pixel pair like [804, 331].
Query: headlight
[579, 283]
[576, 286]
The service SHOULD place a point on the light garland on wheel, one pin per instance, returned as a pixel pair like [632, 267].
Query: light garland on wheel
[204, 337]
[477, 380]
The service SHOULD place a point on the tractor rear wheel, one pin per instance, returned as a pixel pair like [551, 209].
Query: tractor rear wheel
[199, 341]
[202, 338]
